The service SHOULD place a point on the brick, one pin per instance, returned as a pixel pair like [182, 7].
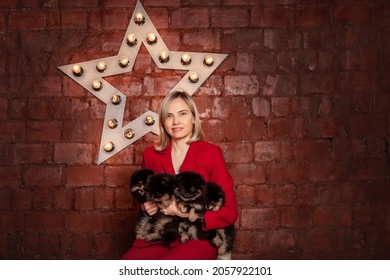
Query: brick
[378, 192]
[241, 85]
[248, 173]
[340, 217]
[261, 107]
[293, 173]
[84, 222]
[230, 108]
[123, 199]
[358, 81]
[120, 221]
[83, 246]
[73, 153]
[312, 149]
[12, 131]
[282, 239]
[116, 20]
[80, 3]
[356, 14]
[63, 199]
[190, 18]
[362, 126]
[84, 198]
[103, 245]
[238, 153]
[327, 171]
[11, 221]
[32, 153]
[272, 150]
[371, 169]
[259, 218]
[44, 221]
[234, 17]
[372, 216]
[265, 194]
[311, 17]
[43, 131]
[104, 198]
[245, 241]
[326, 127]
[27, 20]
[247, 40]
[248, 128]
[214, 130]
[280, 106]
[297, 216]
[10, 176]
[202, 40]
[285, 194]
[84, 176]
[88, 132]
[271, 16]
[245, 62]
[21, 199]
[246, 195]
[74, 19]
[10, 4]
[43, 176]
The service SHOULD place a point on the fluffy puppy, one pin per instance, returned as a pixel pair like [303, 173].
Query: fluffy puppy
[160, 188]
[222, 238]
[156, 227]
[137, 184]
[191, 194]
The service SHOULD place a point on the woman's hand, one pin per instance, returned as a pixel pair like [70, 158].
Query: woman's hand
[172, 210]
[150, 207]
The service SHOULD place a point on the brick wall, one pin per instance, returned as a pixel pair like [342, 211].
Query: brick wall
[301, 109]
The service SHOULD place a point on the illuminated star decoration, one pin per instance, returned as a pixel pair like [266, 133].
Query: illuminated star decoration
[90, 74]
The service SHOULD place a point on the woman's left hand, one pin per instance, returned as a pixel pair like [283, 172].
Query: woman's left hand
[172, 210]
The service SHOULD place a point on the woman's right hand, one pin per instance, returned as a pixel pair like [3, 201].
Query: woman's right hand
[150, 207]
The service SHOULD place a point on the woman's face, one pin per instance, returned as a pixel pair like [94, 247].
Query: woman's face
[180, 121]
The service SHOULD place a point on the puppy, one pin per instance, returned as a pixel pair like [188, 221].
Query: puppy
[144, 184]
[222, 238]
[191, 194]
[160, 188]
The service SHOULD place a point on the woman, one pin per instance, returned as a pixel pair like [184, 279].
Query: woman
[181, 148]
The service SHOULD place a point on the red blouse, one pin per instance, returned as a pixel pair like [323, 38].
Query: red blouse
[206, 159]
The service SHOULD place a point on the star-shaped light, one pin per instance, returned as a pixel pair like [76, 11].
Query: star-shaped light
[90, 74]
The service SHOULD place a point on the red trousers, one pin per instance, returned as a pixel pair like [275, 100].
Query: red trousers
[190, 250]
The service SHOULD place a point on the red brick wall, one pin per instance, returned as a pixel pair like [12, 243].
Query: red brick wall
[301, 109]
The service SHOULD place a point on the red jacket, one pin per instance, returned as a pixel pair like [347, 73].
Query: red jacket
[206, 159]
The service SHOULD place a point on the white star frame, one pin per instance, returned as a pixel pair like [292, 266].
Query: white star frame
[90, 74]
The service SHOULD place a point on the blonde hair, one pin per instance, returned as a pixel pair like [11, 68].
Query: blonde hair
[164, 137]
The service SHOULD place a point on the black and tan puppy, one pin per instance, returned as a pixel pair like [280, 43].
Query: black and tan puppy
[222, 238]
[160, 188]
[159, 226]
[191, 194]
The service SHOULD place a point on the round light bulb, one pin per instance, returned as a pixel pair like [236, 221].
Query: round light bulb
[109, 146]
[139, 19]
[185, 59]
[97, 85]
[151, 38]
[193, 77]
[208, 60]
[101, 66]
[149, 120]
[116, 99]
[131, 39]
[164, 57]
[112, 123]
[77, 70]
[129, 133]
[124, 61]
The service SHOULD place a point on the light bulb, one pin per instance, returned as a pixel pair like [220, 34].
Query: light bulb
[129, 133]
[139, 19]
[193, 77]
[208, 60]
[101, 66]
[116, 99]
[164, 57]
[97, 85]
[77, 70]
[131, 40]
[151, 39]
[109, 146]
[112, 123]
[124, 61]
[149, 120]
[185, 59]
